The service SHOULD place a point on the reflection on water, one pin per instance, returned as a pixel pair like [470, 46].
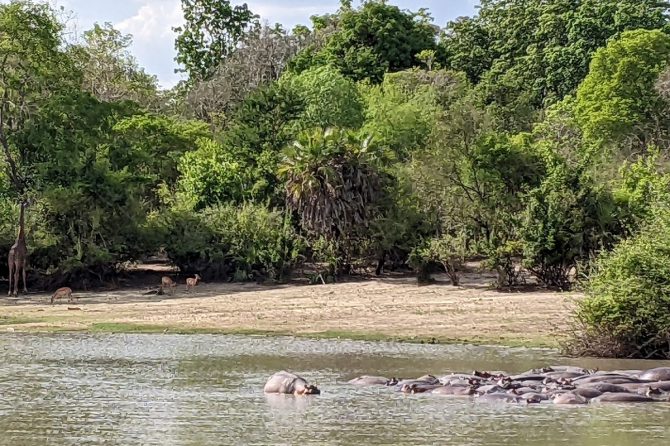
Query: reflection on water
[207, 390]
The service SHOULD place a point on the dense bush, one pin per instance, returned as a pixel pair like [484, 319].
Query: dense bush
[230, 242]
[627, 309]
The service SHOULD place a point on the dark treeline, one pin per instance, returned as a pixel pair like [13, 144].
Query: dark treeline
[534, 133]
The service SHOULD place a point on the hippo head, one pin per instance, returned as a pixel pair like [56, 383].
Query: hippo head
[309, 389]
[392, 382]
[653, 391]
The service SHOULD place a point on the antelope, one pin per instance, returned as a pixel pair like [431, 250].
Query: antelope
[61, 293]
[167, 282]
[193, 281]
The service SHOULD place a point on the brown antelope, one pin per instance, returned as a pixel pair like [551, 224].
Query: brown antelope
[192, 282]
[169, 283]
[61, 293]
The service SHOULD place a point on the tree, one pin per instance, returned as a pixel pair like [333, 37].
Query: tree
[618, 99]
[211, 33]
[32, 68]
[110, 72]
[374, 39]
[261, 58]
[331, 100]
[531, 53]
[331, 182]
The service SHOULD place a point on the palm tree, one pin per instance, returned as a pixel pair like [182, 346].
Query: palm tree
[331, 181]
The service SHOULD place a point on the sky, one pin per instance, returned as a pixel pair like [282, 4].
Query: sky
[150, 21]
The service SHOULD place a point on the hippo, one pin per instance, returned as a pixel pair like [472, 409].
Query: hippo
[522, 390]
[529, 377]
[490, 388]
[657, 374]
[367, 380]
[430, 379]
[622, 398]
[605, 378]
[569, 398]
[454, 390]
[418, 387]
[500, 397]
[605, 387]
[533, 397]
[289, 383]
[587, 392]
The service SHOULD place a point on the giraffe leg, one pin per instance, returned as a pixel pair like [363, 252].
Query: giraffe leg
[11, 273]
[16, 280]
[25, 286]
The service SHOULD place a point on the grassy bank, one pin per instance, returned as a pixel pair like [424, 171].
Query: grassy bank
[374, 310]
[52, 326]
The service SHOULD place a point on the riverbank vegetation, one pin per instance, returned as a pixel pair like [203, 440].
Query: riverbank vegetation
[533, 135]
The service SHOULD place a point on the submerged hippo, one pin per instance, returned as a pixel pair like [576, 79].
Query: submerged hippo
[418, 387]
[587, 392]
[657, 374]
[570, 398]
[622, 398]
[605, 387]
[366, 380]
[454, 390]
[289, 383]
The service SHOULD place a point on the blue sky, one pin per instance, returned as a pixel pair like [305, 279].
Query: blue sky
[151, 21]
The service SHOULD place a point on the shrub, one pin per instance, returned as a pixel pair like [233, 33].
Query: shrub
[230, 242]
[627, 309]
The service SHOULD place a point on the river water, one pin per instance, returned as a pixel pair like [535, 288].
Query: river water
[166, 390]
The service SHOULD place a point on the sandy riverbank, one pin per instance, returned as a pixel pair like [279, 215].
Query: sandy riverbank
[388, 308]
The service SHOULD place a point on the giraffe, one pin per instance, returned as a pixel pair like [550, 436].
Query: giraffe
[17, 257]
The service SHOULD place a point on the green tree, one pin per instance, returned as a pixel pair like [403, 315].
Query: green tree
[91, 212]
[32, 68]
[617, 99]
[110, 72]
[373, 39]
[330, 99]
[625, 312]
[211, 33]
[331, 182]
[153, 146]
[530, 53]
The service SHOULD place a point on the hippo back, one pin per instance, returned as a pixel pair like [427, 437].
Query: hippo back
[284, 382]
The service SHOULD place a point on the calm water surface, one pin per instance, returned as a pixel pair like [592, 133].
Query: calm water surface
[207, 390]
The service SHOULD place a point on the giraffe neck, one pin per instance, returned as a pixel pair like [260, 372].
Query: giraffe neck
[22, 233]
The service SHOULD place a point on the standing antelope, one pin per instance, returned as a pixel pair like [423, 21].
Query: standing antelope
[167, 282]
[192, 282]
[61, 293]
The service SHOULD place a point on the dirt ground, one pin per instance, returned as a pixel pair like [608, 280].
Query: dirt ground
[382, 308]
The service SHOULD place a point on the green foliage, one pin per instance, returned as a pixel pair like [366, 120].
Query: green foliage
[91, 210]
[567, 219]
[617, 98]
[153, 145]
[330, 99]
[450, 252]
[372, 40]
[625, 313]
[211, 32]
[33, 67]
[227, 241]
[401, 114]
[331, 181]
[529, 53]
[110, 72]
[210, 175]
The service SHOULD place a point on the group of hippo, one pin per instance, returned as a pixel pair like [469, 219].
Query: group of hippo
[557, 384]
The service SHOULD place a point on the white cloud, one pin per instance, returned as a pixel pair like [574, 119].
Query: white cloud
[153, 38]
[153, 20]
